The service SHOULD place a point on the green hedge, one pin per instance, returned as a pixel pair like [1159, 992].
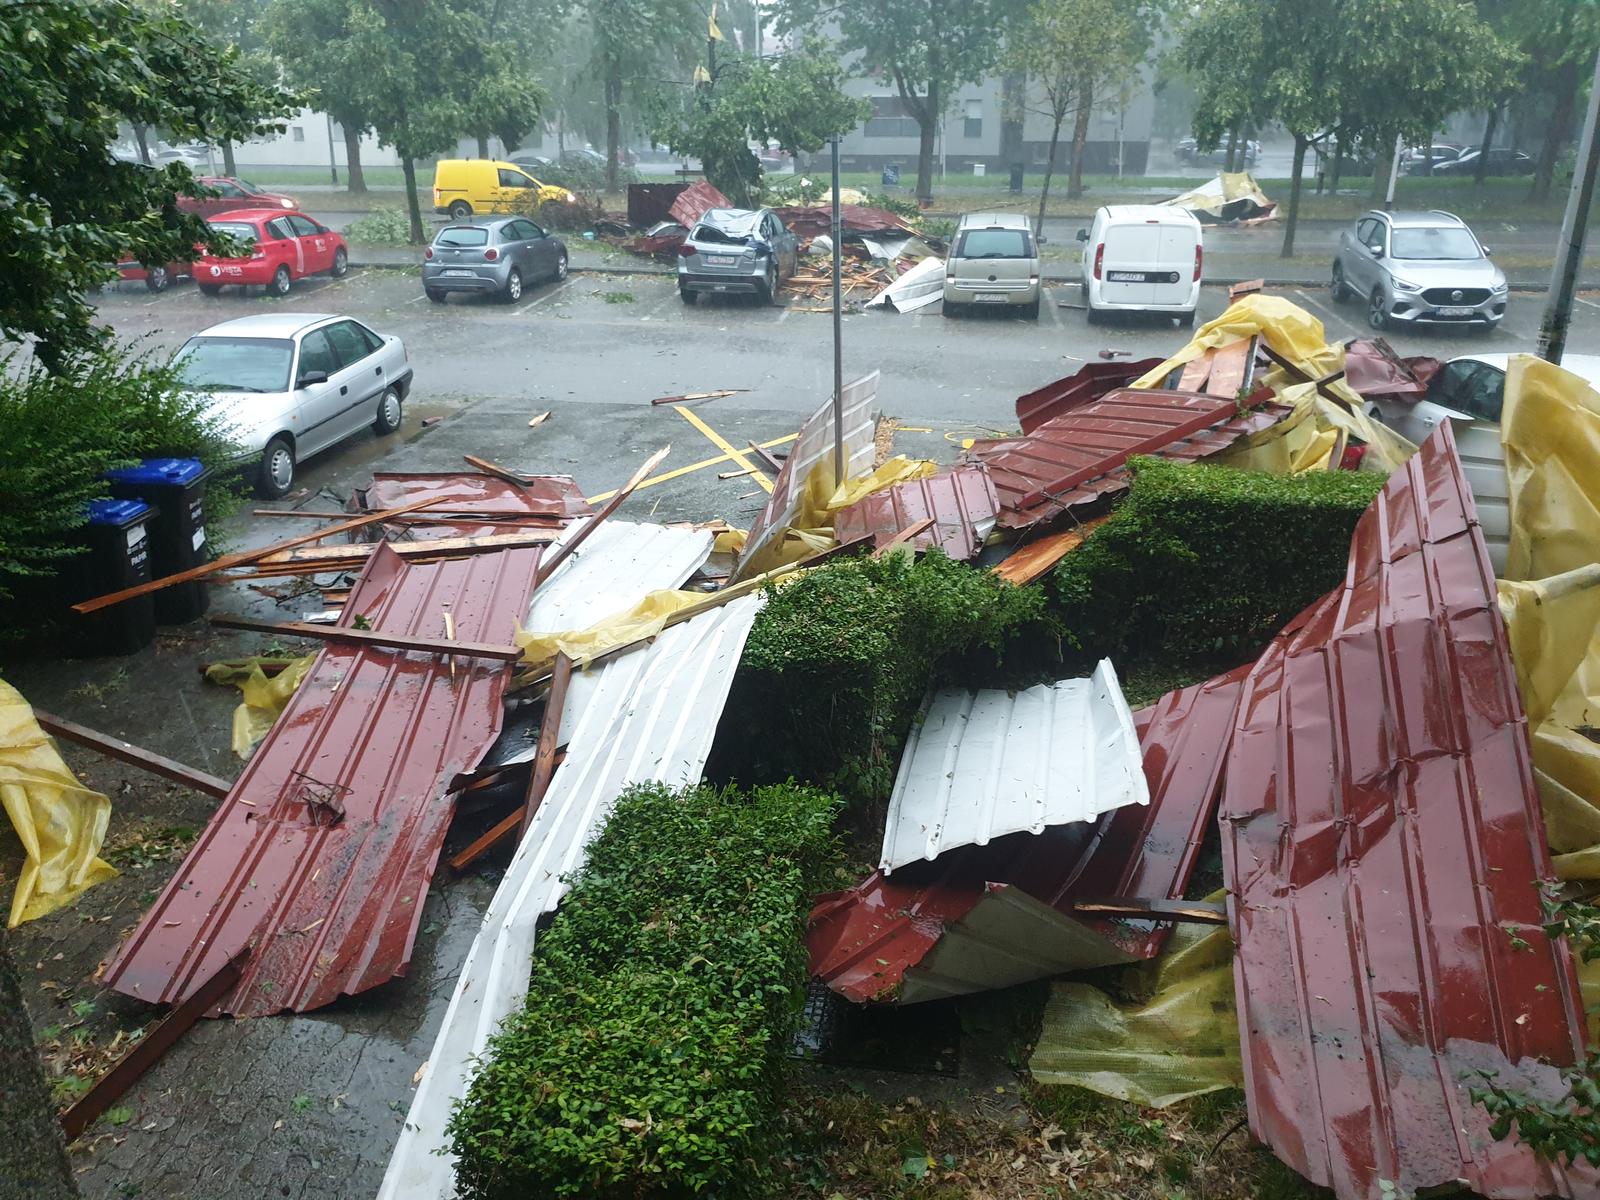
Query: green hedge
[1203, 562]
[663, 999]
[839, 660]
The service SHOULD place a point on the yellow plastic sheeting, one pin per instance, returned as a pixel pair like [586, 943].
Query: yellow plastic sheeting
[264, 697]
[644, 620]
[891, 471]
[729, 541]
[60, 823]
[1183, 1042]
[1287, 328]
[1303, 441]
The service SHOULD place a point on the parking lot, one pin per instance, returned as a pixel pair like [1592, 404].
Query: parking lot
[595, 349]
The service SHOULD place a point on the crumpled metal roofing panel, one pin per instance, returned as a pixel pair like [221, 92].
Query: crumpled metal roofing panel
[814, 447]
[652, 718]
[981, 765]
[1381, 841]
[552, 498]
[332, 905]
[1089, 382]
[1080, 457]
[961, 501]
[617, 566]
[695, 201]
[885, 938]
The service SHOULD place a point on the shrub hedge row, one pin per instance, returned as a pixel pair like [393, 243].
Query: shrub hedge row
[1207, 562]
[663, 998]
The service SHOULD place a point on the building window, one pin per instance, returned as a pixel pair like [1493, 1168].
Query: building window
[890, 119]
[299, 133]
[972, 127]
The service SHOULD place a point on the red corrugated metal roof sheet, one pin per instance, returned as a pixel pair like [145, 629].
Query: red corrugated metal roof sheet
[1079, 458]
[1382, 839]
[695, 201]
[878, 939]
[552, 498]
[1089, 383]
[333, 908]
[961, 501]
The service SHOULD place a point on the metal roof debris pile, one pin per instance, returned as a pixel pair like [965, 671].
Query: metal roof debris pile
[961, 502]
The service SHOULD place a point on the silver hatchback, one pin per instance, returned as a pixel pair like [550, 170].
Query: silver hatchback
[1418, 268]
[737, 250]
[494, 256]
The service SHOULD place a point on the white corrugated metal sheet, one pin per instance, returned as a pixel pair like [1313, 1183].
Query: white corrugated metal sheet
[1483, 462]
[616, 567]
[651, 719]
[981, 765]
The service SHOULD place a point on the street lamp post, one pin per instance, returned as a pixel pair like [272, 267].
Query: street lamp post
[838, 353]
[1574, 225]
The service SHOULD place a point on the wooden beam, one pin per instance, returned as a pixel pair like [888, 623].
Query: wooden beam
[127, 752]
[451, 547]
[486, 841]
[1301, 376]
[909, 533]
[770, 460]
[436, 516]
[688, 397]
[246, 557]
[142, 1055]
[514, 478]
[566, 550]
[544, 755]
[371, 637]
[1198, 912]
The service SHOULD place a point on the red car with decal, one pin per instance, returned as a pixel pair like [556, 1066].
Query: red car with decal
[287, 246]
[233, 193]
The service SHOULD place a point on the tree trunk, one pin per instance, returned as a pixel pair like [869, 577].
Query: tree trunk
[409, 166]
[1080, 137]
[927, 130]
[228, 166]
[1557, 133]
[33, 1162]
[1049, 170]
[483, 145]
[355, 181]
[143, 142]
[1338, 164]
[613, 121]
[1382, 162]
[1294, 195]
[1481, 172]
[1233, 147]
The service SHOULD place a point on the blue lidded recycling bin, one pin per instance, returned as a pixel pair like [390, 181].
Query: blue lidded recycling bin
[116, 556]
[176, 489]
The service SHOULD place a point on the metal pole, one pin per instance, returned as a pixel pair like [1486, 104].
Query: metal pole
[1574, 227]
[1394, 170]
[333, 164]
[838, 352]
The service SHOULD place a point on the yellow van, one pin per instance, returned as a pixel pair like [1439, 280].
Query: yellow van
[463, 186]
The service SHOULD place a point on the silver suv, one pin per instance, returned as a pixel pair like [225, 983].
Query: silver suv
[1419, 267]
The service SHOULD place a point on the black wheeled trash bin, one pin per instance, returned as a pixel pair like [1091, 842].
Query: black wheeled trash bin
[116, 556]
[1016, 179]
[176, 489]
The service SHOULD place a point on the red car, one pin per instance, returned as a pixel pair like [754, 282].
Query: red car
[157, 279]
[288, 246]
[235, 193]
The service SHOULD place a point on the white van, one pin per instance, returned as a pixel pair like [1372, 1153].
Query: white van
[1142, 258]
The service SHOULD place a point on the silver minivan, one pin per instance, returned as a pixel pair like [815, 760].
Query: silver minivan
[993, 261]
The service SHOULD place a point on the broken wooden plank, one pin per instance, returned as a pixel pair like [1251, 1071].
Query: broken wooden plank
[143, 1054]
[1301, 376]
[434, 516]
[768, 459]
[566, 550]
[544, 755]
[904, 536]
[1198, 912]
[371, 637]
[1245, 287]
[689, 396]
[457, 547]
[516, 479]
[156, 764]
[1031, 561]
[736, 474]
[539, 419]
[245, 558]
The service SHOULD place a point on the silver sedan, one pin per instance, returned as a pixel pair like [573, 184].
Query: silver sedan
[498, 256]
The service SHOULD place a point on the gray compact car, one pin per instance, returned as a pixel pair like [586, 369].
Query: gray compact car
[288, 385]
[1418, 268]
[498, 255]
[737, 250]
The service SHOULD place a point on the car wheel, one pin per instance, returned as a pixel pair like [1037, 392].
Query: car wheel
[281, 281]
[434, 294]
[1186, 321]
[1092, 314]
[210, 289]
[561, 265]
[341, 263]
[276, 474]
[460, 210]
[687, 295]
[1337, 287]
[157, 279]
[513, 291]
[1377, 310]
[767, 291]
[388, 419]
[1031, 311]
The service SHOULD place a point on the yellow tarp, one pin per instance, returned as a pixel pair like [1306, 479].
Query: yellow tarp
[1184, 1041]
[60, 822]
[264, 697]
[891, 471]
[643, 620]
[1303, 441]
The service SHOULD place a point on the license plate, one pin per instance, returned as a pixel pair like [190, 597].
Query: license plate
[1455, 312]
[990, 298]
[720, 260]
[459, 274]
[1126, 277]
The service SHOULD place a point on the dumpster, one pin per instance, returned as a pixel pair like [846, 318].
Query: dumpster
[1016, 179]
[175, 488]
[116, 556]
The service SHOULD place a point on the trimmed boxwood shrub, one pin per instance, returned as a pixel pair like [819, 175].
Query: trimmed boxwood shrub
[1207, 562]
[646, 1059]
[839, 660]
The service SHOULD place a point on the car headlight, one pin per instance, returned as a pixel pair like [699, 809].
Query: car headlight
[288, 203]
[1500, 288]
[1402, 285]
[571, 199]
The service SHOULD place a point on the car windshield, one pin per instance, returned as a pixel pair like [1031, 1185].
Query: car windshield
[462, 237]
[1447, 242]
[235, 364]
[994, 243]
[247, 185]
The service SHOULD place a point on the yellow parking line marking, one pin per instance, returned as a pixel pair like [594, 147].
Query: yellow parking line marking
[721, 443]
[699, 466]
